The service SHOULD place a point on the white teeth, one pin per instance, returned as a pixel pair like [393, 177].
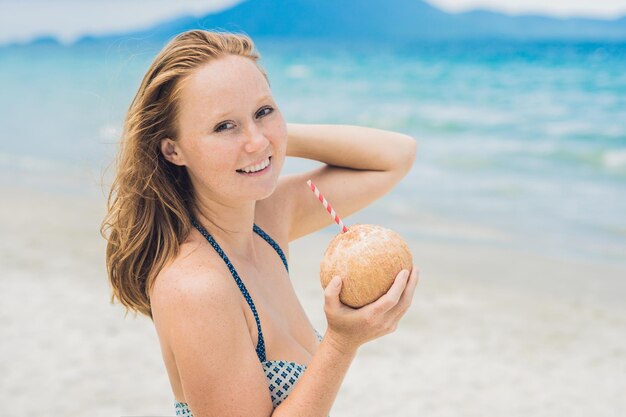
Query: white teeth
[258, 167]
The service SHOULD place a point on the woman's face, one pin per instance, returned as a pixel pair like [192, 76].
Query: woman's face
[228, 121]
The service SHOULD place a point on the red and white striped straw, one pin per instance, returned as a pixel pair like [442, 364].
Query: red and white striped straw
[327, 206]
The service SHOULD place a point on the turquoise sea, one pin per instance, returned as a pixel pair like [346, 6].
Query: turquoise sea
[526, 139]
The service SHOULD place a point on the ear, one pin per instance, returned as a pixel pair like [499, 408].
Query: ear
[172, 152]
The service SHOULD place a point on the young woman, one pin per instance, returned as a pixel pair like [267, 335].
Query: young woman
[200, 221]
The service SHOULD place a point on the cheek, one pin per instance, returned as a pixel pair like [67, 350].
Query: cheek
[205, 158]
[278, 132]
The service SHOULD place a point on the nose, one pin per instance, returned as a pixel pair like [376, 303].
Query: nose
[255, 140]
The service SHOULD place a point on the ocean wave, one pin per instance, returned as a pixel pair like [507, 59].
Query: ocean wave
[30, 163]
[450, 115]
[44, 167]
[298, 71]
[566, 128]
[109, 132]
[615, 159]
[580, 129]
[600, 160]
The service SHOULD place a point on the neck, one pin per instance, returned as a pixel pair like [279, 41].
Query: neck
[230, 224]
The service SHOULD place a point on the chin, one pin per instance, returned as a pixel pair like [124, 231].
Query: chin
[266, 194]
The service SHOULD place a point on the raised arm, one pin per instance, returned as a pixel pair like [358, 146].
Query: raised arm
[361, 165]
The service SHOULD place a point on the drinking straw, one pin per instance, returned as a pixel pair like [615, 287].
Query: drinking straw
[327, 206]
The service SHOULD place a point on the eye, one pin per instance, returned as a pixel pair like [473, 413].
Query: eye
[264, 111]
[224, 126]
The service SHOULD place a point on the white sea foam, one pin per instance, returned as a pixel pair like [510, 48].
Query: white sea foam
[298, 71]
[29, 163]
[590, 127]
[615, 159]
[471, 115]
[567, 127]
[109, 132]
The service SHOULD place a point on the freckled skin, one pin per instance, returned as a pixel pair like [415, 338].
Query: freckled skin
[230, 89]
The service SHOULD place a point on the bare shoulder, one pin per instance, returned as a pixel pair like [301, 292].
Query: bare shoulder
[197, 311]
[189, 274]
[186, 288]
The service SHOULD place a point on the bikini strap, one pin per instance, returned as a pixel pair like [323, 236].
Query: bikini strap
[269, 240]
[260, 348]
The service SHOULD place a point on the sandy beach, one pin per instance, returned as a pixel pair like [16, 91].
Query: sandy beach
[491, 332]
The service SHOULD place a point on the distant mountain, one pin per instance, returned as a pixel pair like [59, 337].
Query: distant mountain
[377, 20]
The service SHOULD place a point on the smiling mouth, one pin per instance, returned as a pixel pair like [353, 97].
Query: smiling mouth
[241, 171]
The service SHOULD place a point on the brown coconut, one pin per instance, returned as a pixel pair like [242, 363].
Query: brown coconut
[368, 258]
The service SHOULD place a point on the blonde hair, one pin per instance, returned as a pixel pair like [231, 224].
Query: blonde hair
[151, 199]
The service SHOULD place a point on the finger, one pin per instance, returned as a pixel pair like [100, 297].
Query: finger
[399, 285]
[411, 285]
[417, 276]
[414, 278]
[387, 301]
[408, 293]
[331, 292]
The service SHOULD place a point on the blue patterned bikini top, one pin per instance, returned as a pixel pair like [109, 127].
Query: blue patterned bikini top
[282, 376]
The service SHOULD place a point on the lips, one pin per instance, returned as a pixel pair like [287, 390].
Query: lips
[257, 166]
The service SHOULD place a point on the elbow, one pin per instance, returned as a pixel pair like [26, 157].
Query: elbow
[409, 153]
[413, 149]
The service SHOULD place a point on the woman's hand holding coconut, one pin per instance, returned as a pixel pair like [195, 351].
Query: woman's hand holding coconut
[362, 299]
[349, 328]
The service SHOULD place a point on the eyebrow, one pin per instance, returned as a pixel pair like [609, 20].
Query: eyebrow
[223, 115]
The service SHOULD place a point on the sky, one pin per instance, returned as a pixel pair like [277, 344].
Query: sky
[605, 9]
[69, 19]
